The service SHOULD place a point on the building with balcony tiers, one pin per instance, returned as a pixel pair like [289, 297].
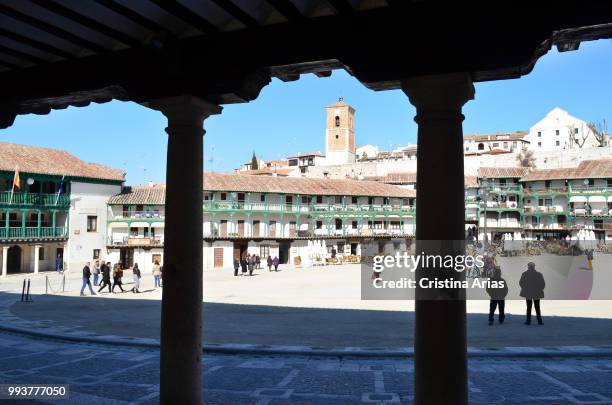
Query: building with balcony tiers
[561, 202]
[53, 205]
[276, 216]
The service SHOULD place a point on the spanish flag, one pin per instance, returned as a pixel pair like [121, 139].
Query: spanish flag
[17, 180]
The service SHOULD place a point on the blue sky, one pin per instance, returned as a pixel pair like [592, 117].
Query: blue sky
[289, 117]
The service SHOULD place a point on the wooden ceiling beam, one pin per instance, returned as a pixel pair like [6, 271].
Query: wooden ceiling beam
[184, 13]
[86, 21]
[132, 15]
[50, 29]
[237, 13]
[21, 55]
[287, 9]
[35, 44]
[341, 6]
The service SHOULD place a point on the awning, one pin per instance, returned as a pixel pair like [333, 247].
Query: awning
[597, 199]
[610, 199]
[158, 225]
[118, 225]
[578, 198]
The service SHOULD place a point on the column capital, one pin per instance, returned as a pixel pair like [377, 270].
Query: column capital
[185, 109]
[439, 96]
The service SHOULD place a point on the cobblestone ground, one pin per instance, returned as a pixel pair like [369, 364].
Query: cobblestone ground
[100, 374]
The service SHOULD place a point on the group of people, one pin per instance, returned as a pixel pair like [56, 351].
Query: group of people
[249, 262]
[532, 289]
[103, 269]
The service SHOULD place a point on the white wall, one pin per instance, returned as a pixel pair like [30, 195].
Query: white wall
[87, 199]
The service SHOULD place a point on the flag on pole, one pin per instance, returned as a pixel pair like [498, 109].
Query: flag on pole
[17, 179]
[59, 190]
[16, 183]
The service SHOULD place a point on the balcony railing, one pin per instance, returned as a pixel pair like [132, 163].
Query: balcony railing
[590, 189]
[555, 209]
[33, 232]
[34, 199]
[134, 241]
[545, 190]
[254, 207]
[137, 215]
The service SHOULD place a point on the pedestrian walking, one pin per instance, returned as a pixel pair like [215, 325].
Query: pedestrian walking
[590, 256]
[236, 267]
[257, 262]
[243, 264]
[251, 265]
[59, 263]
[106, 281]
[269, 261]
[497, 290]
[137, 275]
[275, 262]
[117, 274]
[86, 280]
[532, 289]
[96, 272]
[157, 273]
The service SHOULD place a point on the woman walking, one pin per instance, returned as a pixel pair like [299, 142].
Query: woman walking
[106, 281]
[136, 272]
[269, 262]
[96, 272]
[157, 274]
[117, 274]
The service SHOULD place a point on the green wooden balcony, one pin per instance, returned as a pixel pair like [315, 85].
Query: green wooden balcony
[20, 199]
[311, 209]
[13, 233]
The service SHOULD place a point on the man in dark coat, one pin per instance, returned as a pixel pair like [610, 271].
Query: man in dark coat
[532, 289]
[106, 282]
[497, 290]
[86, 279]
[236, 267]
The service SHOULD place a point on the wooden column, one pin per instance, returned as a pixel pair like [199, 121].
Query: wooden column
[181, 318]
[440, 360]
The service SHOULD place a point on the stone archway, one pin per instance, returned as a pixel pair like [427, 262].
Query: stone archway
[13, 260]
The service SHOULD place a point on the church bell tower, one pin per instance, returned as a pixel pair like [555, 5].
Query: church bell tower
[340, 133]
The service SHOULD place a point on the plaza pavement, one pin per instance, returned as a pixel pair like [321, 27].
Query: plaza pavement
[314, 307]
[101, 374]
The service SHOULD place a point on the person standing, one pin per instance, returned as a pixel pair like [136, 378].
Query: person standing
[275, 262]
[497, 290]
[251, 265]
[157, 273]
[136, 273]
[236, 267]
[257, 262]
[117, 274]
[243, 264]
[590, 256]
[96, 272]
[106, 282]
[269, 262]
[59, 263]
[86, 281]
[532, 289]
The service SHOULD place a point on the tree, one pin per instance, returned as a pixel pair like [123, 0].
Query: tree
[600, 132]
[254, 162]
[577, 135]
[526, 159]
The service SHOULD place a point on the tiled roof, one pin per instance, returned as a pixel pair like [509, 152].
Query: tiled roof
[38, 160]
[395, 178]
[513, 136]
[150, 195]
[587, 169]
[266, 184]
[501, 172]
[267, 171]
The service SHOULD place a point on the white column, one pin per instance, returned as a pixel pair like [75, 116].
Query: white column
[4, 260]
[36, 257]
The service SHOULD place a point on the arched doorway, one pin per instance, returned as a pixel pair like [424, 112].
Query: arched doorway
[13, 259]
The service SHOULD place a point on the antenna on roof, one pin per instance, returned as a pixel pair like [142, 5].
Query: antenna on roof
[211, 160]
